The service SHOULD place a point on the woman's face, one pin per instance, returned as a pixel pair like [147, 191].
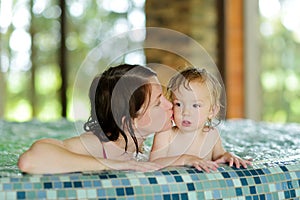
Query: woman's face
[158, 114]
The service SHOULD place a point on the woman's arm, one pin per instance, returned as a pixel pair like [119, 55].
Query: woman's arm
[51, 156]
[71, 155]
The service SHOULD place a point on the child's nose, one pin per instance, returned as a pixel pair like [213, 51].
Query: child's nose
[185, 111]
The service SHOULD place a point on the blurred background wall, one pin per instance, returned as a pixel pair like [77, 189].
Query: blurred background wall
[255, 45]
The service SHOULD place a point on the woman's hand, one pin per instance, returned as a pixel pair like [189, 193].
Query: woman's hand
[233, 159]
[199, 163]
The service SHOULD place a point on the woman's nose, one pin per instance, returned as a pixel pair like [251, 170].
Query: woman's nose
[167, 104]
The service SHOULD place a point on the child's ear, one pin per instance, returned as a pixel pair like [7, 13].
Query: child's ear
[214, 111]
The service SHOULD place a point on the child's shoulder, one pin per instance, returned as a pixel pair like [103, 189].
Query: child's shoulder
[168, 132]
[214, 131]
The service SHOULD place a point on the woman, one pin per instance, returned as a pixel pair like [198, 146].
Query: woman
[127, 105]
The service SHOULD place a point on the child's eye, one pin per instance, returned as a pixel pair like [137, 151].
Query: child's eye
[177, 104]
[196, 105]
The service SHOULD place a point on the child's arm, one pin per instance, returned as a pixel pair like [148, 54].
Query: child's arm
[160, 150]
[187, 160]
[222, 156]
[160, 145]
[230, 158]
[159, 154]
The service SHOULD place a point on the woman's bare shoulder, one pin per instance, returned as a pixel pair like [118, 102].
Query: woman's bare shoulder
[88, 135]
[85, 143]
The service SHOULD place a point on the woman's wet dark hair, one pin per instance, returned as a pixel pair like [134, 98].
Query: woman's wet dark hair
[116, 96]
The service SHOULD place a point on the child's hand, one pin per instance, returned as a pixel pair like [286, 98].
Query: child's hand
[232, 159]
[199, 163]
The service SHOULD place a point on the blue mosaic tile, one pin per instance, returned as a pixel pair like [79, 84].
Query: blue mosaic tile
[194, 177]
[170, 179]
[48, 185]
[293, 193]
[143, 181]
[225, 174]
[253, 172]
[190, 186]
[184, 196]
[278, 186]
[28, 186]
[152, 180]
[7, 186]
[41, 194]
[257, 180]
[77, 184]
[277, 182]
[266, 171]
[238, 191]
[216, 194]
[233, 174]
[97, 183]
[21, 195]
[263, 179]
[240, 173]
[87, 184]
[167, 173]
[247, 173]
[252, 189]
[289, 184]
[229, 183]
[14, 180]
[268, 197]
[58, 185]
[287, 176]
[125, 182]
[112, 176]
[165, 188]
[178, 179]
[67, 184]
[174, 172]
[260, 171]
[283, 168]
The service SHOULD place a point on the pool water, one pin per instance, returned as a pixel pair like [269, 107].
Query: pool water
[16, 137]
[261, 140]
[275, 173]
[246, 138]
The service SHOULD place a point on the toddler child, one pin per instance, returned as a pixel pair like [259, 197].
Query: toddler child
[194, 140]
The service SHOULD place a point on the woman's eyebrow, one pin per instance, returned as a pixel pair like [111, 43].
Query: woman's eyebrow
[157, 98]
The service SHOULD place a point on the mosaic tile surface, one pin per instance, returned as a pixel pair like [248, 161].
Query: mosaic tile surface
[272, 180]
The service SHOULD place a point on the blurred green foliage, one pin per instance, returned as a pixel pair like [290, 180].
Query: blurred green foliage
[280, 61]
[30, 39]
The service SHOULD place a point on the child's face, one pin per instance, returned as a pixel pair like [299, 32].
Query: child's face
[192, 107]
